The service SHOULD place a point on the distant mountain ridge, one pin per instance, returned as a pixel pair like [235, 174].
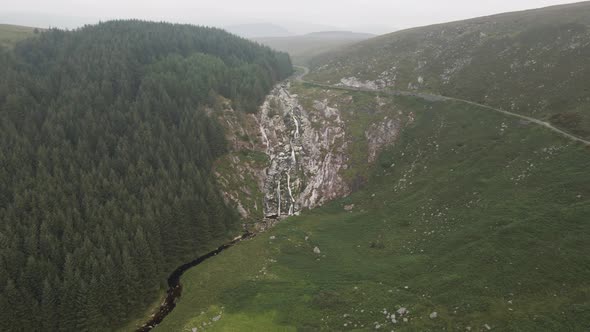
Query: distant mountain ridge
[341, 34]
[304, 47]
[256, 30]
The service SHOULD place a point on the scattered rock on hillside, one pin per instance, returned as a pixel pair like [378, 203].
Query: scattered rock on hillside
[349, 207]
[354, 82]
[380, 135]
[433, 315]
[316, 250]
[487, 327]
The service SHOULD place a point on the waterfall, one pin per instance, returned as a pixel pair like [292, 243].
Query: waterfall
[290, 194]
[264, 137]
[296, 125]
[293, 155]
[279, 195]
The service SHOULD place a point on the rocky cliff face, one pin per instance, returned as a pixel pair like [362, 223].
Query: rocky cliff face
[305, 159]
[241, 173]
[289, 157]
[381, 134]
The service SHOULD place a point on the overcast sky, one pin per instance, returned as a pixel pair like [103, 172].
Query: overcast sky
[369, 15]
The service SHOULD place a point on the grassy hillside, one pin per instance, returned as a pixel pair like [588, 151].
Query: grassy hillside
[533, 62]
[478, 217]
[10, 34]
[303, 48]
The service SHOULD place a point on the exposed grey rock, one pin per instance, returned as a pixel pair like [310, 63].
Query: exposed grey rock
[380, 135]
[316, 250]
[305, 160]
[245, 177]
[281, 132]
[354, 82]
[433, 315]
[307, 149]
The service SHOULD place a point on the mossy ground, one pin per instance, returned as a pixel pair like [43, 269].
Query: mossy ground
[471, 214]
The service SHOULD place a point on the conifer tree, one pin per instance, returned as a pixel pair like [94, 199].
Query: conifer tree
[106, 147]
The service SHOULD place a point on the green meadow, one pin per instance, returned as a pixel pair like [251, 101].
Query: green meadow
[470, 221]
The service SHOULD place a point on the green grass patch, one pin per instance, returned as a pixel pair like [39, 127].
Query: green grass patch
[11, 34]
[471, 214]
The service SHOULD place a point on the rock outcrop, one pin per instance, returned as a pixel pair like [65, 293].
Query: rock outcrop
[287, 157]
[381, 134]
[241, 172]
[305, 159]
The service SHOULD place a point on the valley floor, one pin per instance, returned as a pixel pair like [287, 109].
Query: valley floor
[472, 220]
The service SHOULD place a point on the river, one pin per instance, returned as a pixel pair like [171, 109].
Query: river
[175, 287]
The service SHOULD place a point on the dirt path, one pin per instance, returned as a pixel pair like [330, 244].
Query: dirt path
[434, 97]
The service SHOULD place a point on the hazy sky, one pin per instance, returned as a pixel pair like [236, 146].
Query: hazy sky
[368, 15]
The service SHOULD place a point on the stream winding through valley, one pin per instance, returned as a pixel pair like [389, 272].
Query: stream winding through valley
[175, 287]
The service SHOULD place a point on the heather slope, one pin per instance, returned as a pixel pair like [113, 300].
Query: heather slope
[531, 62]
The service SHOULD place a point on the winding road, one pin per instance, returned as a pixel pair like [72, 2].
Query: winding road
[434, 97]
